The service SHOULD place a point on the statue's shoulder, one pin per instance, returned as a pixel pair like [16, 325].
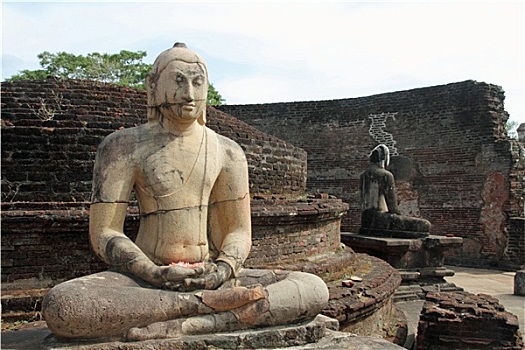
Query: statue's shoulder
[228, 145]
[122, 140]
[226, 142]
[375, 173]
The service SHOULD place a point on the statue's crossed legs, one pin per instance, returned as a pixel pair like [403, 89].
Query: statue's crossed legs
[113, 305]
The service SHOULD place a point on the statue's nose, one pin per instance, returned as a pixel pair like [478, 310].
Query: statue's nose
[188, 93]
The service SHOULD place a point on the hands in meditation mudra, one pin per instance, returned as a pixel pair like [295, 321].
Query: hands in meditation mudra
[184, 272]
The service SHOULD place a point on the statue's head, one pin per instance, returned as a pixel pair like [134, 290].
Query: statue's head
[177, 86]
[380, 154]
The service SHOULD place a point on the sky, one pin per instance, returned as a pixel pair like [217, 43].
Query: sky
[263, 52]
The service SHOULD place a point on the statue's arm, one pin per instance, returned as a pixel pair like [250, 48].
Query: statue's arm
[229, 211]
[390, 194]
[114, 247]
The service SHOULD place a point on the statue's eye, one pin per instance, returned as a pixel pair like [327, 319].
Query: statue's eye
[179, 78]
[198, 81]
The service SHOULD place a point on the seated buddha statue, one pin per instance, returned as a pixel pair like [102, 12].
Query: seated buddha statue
[381, 215]
[183, 274]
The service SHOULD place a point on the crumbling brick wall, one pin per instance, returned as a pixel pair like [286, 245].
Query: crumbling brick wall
[51, 131]
[453, 162]
[46, 242]
[464, 320]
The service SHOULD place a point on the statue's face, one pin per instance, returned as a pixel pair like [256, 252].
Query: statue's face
[181, 91]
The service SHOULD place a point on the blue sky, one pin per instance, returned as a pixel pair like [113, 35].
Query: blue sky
[259, 52]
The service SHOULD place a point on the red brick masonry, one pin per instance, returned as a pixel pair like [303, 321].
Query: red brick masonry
[463, 320]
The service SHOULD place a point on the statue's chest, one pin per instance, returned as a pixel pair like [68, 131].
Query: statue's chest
[177, 167]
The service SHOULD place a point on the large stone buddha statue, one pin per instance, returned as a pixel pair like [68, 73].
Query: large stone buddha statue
[184, 272]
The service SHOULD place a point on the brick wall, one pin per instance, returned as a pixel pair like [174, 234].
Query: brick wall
[285, 230]
[274, 166]
[46, 242]
[466, 321]
[49, 242]
[51, 131]
[453, 162]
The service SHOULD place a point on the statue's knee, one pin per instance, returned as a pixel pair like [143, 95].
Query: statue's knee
[313, 289]
[60, 311]
[317, 286]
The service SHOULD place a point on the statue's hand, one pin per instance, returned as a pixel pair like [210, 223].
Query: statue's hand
[212, 278]
[167, 276]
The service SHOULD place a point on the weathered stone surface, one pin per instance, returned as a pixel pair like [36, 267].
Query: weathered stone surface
[235, 297]
[423, 254]
[419, 260]
[285, 338]
[342, 340]
[271, 337]
[366, 307]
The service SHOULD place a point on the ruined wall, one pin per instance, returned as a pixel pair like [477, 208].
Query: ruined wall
[285, 230]
[453, 162]
[464, 320]
[51, 131]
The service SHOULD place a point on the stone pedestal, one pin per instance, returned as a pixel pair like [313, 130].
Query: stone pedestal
[270, 337]
[519, 283]
[422, 255]
[321, 333]
[419, 260]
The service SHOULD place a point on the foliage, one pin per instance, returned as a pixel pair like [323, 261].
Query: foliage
[511, 127]
[214, 98]
[124, 68]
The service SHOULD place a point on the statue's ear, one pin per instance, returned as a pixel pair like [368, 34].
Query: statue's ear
[202, 119]
[150, 85]
[150, 88]
[153, 113]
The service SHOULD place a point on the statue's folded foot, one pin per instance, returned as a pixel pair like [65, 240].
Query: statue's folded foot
[157, 330]
[232, 298]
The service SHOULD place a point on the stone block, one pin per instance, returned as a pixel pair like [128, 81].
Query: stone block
[519, 283]
[271, 337]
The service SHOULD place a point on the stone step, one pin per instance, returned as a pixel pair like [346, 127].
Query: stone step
[29, 316]
[22, 305]
[415, 291]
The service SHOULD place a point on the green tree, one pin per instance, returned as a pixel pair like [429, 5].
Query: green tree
[214, 98]
[125, 68]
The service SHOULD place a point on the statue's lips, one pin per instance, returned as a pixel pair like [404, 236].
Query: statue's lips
[188, 107]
